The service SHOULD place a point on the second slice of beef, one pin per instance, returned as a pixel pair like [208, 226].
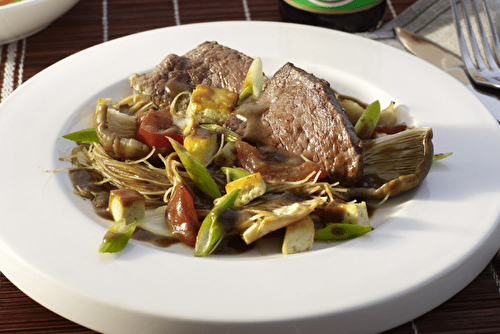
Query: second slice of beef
[299, 113]
[209, 63]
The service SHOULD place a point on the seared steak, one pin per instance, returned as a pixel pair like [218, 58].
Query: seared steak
[210, 63]
[299, 113]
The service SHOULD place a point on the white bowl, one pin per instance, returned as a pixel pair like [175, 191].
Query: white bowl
[21, 19]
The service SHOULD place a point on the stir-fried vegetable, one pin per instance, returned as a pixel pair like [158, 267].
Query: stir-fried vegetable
[117, 237]
[198, 173]
[212, 230]
[229, 136]
[181, 215]
[6, 2]
[121, 142]
[155, 127]
[337, 232]
[85, 136]
[254, 81]
[235, 173]
[439, 156]
[366, 123]
[127, 207]
[266, 220]
[355, 108]
[395, 163]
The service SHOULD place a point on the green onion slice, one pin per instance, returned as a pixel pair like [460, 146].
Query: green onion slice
[117, 237]
[196, 171]
[368, 120]
[85, 136]
[212, 230]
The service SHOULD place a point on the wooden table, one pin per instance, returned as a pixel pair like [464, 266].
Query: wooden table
[476, 309]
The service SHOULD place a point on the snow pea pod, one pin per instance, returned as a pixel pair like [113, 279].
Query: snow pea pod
[196, 171]
[212, 230]
[340, 231]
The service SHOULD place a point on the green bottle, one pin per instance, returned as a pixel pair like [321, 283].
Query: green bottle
[345, 15]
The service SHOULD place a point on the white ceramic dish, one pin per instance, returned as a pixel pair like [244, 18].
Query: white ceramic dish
[427, 245]
[22, 19]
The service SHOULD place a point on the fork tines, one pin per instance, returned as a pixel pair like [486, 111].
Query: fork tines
[484, 69]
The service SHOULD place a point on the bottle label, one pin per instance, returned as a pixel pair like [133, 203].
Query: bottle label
[333, 6]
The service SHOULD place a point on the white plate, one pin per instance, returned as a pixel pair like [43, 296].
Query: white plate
[426, 246]
[25, 18]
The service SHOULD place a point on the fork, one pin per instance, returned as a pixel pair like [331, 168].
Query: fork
[485, 71]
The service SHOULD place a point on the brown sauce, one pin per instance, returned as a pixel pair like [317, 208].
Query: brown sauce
[174, 88]
[232, 245]
[100, 204]
[281, 157]
[334, 212]
[371, 210]
[144, 235]
[86, 182]
[371, 181]
[259, 153]
[251, 114]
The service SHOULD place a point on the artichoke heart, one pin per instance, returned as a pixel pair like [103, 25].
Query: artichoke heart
[394, 163]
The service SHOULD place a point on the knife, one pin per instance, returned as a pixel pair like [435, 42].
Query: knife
[450, 63]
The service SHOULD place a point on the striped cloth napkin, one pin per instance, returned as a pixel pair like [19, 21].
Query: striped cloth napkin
[8, 67]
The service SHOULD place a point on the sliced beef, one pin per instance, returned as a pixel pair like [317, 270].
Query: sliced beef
[299, 113]
[210, 63]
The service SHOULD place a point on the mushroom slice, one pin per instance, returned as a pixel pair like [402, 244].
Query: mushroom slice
[394, 163]
[116, 130]
[269, 217]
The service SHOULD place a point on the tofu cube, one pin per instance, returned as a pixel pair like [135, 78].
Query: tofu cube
[339, 211]
[211, 105]
[299, 236]
[202, 145]
[252, 186]
[127, 204]
[356, 213]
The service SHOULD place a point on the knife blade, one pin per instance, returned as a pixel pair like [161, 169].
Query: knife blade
[448, 62]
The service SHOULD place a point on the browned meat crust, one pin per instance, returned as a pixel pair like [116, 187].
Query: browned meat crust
[210, 63]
